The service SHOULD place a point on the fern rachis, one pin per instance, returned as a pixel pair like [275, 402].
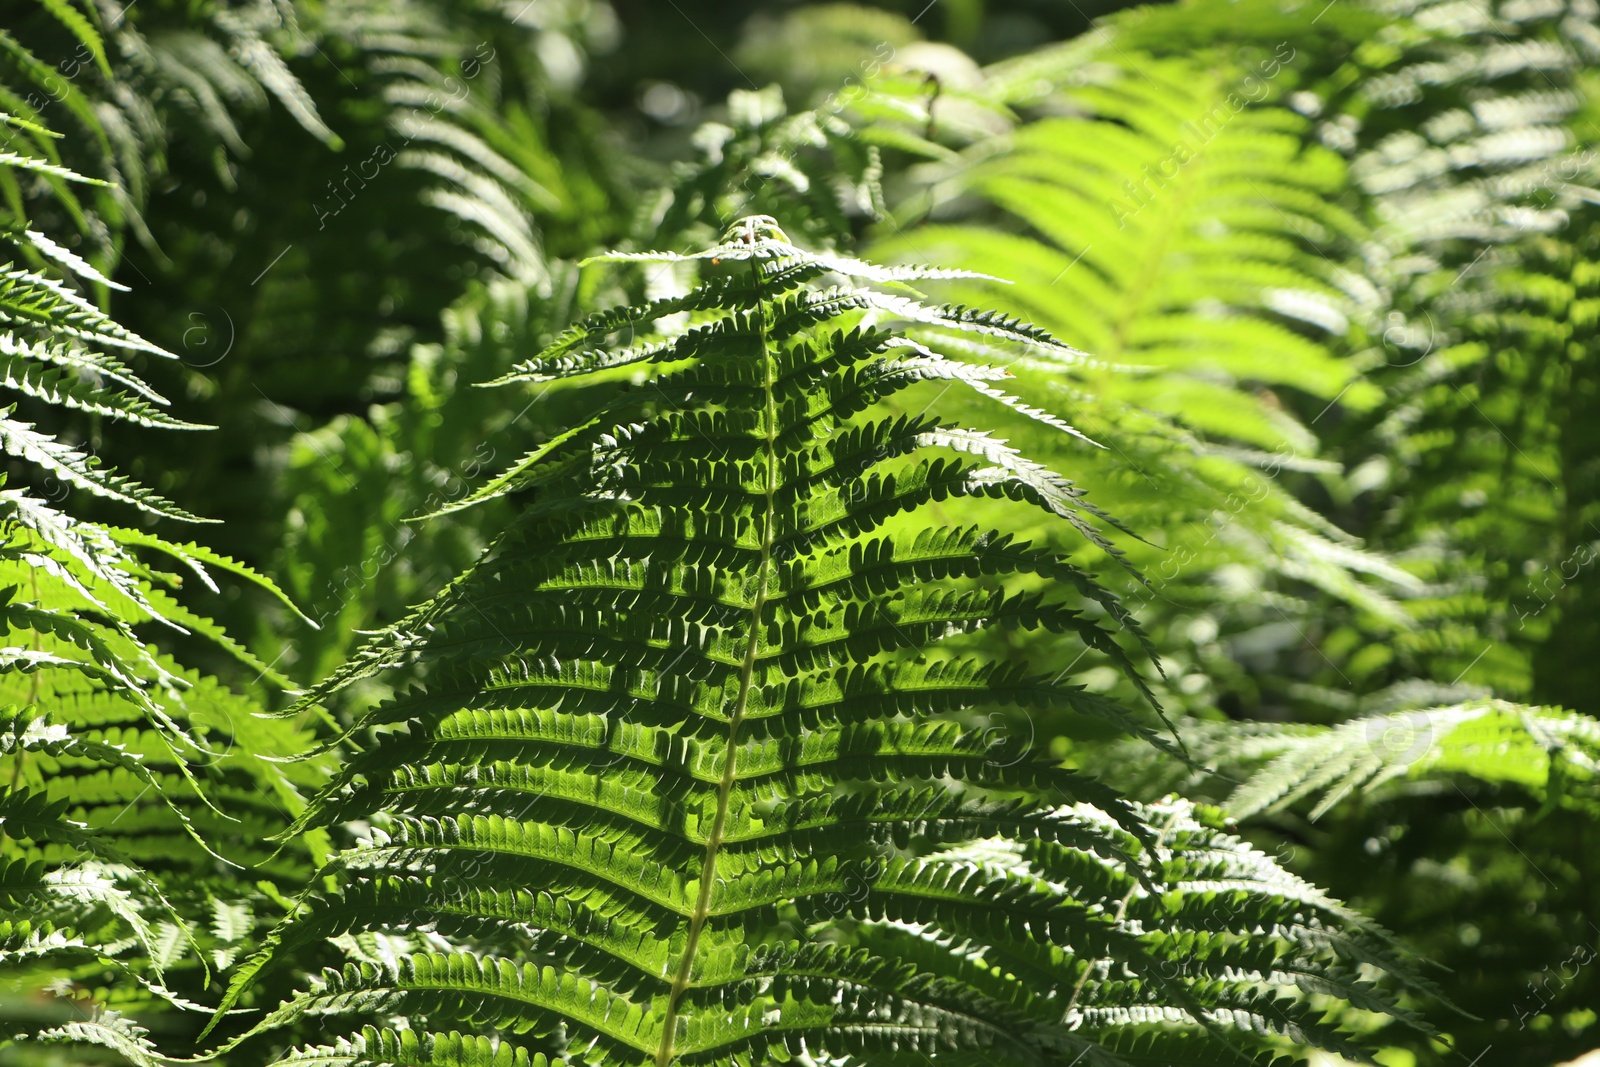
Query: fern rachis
[764, 578]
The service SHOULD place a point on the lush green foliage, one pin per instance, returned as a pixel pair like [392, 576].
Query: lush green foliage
[787, 662]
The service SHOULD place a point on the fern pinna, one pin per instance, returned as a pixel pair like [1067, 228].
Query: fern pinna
[689, 774]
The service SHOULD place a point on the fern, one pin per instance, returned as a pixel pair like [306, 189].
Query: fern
[115, 762]
[1550, 754]
[1461, 134]
[812, 164]
[690, 776]
[130, 84]
[1189, 241]
[484, 124]
[1189, 218]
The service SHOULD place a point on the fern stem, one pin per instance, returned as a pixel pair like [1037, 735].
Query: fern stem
[708, 866]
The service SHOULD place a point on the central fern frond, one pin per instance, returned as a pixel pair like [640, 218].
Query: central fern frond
[696, 769]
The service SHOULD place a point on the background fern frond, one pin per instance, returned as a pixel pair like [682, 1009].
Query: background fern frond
[135, 791]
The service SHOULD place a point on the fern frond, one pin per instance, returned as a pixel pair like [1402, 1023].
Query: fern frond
[692, 771]
[1192, 243]
[118, 764]
[109, 1030]
[1545, 751]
